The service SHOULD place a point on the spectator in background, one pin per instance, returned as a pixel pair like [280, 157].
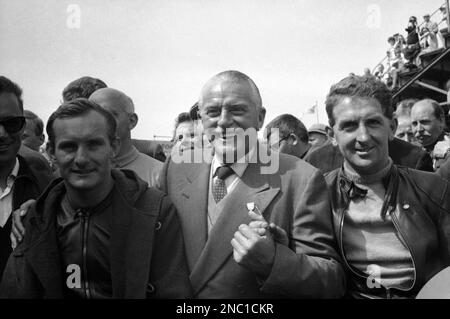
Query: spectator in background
[184, 133]
[379, 72]
[443, 24]
[428, 34]
[33, 135]
[318, 134]
[403, 118]
[428, 125]
[412, 49]
[291, 138]
[404, 129]
[395, 59]
[404, 107]
[82, 87]
[19, 181]
[128, 157]
[33, 139]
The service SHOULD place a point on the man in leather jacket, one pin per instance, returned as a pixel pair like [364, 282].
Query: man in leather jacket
[392, 223]
[97, 232]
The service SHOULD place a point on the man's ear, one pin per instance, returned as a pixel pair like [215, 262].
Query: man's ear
[329, 131]
[293, 139]
[133, 120]
[115, 147]
[51, 151]
[261, 117]
[393, 124]
[42, 138]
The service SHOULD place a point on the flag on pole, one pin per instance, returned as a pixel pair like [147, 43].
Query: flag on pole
[312, 109]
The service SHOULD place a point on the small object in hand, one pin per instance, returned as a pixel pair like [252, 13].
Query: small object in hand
[253, 208]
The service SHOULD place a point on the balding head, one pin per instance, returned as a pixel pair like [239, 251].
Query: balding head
[112, 98]
[233, 77]
[121, 107]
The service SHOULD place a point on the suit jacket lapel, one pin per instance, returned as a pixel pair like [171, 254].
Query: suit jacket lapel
[193, 210]
[253, 187]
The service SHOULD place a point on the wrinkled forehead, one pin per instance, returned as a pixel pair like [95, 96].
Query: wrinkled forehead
[356, 104]
[229, 90]
[422, 110]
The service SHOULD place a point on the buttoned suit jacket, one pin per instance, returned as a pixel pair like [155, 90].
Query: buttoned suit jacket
[295, 198]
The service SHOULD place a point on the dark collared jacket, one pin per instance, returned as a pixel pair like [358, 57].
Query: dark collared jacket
[29, 184]
[419, 204]
[146, 246]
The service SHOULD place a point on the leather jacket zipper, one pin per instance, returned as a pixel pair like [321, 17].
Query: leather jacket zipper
[341, 230]
[395, 221]
[84, 231]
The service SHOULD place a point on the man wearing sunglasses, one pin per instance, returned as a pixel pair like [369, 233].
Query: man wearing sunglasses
[19, 182]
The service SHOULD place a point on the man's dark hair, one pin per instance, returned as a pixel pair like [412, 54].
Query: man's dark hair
[8, 86]
[38, 124]
[181, 118]
[193, 112]
[355, 86]
[79, 107]
[288, 124]
[82, 87]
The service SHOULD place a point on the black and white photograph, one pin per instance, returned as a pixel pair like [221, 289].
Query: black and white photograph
[224, 156]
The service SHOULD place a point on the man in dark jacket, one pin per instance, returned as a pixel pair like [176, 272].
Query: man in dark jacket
[97, 232]
[19, 181]
[392, 223]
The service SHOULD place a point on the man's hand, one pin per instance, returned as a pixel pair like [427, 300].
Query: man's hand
[442, 148]
[18, 230]
[254, 244]
[263, 228]
[253, 251]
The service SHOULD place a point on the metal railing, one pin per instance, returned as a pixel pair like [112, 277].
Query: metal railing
[385, 58]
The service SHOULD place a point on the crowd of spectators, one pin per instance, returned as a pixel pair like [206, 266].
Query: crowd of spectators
[406, 52]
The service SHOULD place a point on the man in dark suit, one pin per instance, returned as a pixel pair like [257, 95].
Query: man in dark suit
[214, 197]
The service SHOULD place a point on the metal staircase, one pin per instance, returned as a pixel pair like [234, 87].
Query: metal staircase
[430, 80]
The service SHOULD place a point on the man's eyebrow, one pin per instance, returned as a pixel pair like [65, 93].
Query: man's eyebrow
[348, 121]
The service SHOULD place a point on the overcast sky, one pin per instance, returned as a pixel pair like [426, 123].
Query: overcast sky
[160, 52]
